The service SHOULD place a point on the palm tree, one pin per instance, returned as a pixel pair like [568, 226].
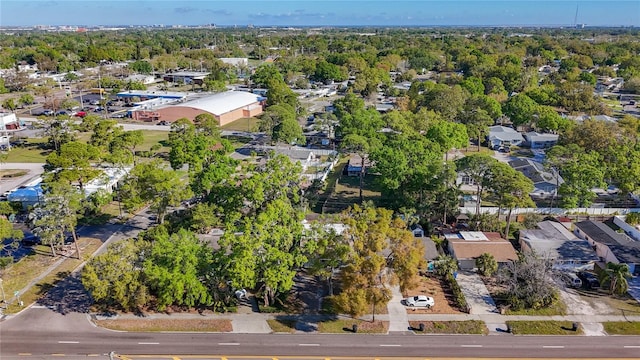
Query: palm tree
[445, 265]
[486, 264]
[616, 275]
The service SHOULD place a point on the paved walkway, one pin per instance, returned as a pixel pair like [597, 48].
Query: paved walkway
[479, 300]
[398, 319]
[476, 293]
[257, 322]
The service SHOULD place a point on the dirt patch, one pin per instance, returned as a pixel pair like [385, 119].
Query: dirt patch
[441, 294]
[206, 325]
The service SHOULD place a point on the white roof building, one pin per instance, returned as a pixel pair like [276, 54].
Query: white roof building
[222, 103]
[235, 61]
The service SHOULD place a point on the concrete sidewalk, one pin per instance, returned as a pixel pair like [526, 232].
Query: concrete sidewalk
[257, 322]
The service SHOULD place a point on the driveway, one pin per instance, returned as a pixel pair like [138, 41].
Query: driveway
[634, 288]
[476, 293]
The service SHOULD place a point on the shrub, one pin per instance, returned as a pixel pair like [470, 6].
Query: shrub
[458, 295]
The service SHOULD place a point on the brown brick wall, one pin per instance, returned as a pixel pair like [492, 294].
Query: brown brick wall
[173, 113]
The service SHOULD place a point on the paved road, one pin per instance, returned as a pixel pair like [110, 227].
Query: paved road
[41, 333]
[34, 169]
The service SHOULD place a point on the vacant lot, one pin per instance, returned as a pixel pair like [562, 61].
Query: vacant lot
[205, 325]
[439, 291]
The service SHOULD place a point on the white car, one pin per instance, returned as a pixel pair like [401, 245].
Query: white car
[420, 301]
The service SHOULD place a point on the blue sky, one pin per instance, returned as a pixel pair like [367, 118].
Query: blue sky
[319, 12]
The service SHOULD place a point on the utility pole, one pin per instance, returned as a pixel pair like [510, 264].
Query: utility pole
[4, 299]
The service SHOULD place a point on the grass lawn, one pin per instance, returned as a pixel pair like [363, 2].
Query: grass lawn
[153, 137]
[450, 327]
[244, 124]
[282, 325]
[13, 173]
[21, 273]
[622, 328]
[29, 153]
[559, 308]
[543, 328]
[341, 326]
[143, 325]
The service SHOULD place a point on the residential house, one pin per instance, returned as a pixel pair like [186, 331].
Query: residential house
[354, 167]
[467, 246]
[417, 230]
[502, 136]
[552, 240]
[540, 141]
[303, 156]
[610, 245]
[545, 183]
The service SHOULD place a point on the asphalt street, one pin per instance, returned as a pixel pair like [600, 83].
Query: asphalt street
[40, 332]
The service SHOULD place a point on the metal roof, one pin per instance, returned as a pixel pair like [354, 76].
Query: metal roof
[223, 103]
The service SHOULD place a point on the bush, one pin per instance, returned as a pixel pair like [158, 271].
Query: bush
[633, 218]
[458, 296]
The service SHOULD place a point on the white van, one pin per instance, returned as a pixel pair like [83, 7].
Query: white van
[572, 280]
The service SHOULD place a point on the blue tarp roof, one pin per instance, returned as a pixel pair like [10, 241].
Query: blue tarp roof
[26, 194]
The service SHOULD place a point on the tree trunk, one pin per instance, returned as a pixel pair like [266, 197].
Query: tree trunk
[478, 191]
[330, 283]
[506, 230]
[362, 172]
[53, 250]
[479, 137]
[75, 242]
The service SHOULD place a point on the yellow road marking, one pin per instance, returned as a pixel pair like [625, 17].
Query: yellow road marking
[24, 354]
[57, 355]
[93, 354]
[303, 357]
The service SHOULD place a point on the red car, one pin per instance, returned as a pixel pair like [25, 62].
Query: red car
[81, 114]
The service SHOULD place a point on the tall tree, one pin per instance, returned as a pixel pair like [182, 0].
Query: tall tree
[151, 183]
[72, 163]
[477, 167]
[365, 277]
[173, 269]
[115, 277]
[511, 189]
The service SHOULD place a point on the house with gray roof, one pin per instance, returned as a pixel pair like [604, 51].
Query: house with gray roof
[502, 136]
[552, 240]
[536, 140]
[545, 183]
[610, 245]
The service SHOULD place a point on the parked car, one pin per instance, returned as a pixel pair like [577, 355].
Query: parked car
[571, 279]
[163, 123]
[30, 240]
[589, 280]
[48, 112]
[420, 301]
[81, 114]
